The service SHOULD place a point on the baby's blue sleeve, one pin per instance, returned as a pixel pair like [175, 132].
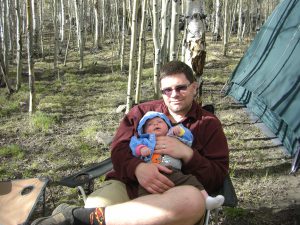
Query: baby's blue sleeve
[134, 142]
[187, 137]
[145, 139]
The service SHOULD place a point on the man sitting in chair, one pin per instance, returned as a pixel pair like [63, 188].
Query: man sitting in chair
[117, 201]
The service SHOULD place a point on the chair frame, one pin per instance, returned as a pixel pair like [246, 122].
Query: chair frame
[85, 178]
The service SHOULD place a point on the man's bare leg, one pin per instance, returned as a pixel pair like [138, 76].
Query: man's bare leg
[177, 206]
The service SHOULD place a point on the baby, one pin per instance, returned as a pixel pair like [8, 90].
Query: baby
[155, 124]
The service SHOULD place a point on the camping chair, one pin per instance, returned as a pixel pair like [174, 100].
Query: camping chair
[84, 180]
[18, 199]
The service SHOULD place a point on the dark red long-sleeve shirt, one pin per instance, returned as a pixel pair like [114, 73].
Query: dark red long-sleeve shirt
[210, 160]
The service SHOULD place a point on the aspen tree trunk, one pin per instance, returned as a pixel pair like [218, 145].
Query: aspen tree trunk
[19, 45]
[4, 63]
[5, 35]
[70, 32]
[117, 28]
[132, 59]
[123, 40]
[10, 24]
[174, 30]
[96, 34]
[62, 21]
[157, 52]
[140, 54]
[83, 16]
[240, 23]
[226, 22]
[42, 28]
[78, 14]
[103, 19]
[4, 74]
[55, 34]
[233, 17]
[24, 16]
[32, 102]
[195, 40]
[35, 28]
[129, 14]
[216, 32]
[165, 24]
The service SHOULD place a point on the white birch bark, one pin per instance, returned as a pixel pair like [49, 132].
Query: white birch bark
[96, 33]
[195, 53]
[157, 52]
[103, 18]
[19, 45]
[216, 32]
[174, 29]
[62, 21]
[132, 59]
[117, 27]
[78, 13]
[226, 22]
[55, 34]
[140, 54]
[4, 58]
[70, 33]
[5, 34]
[35, 27]
[123, 40]
[41, 11]
[240, 22]
[165, 24]
[31, 77]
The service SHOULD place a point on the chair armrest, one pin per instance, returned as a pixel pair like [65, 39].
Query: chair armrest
[88, 174]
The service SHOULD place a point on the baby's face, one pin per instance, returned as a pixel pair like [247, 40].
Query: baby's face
[157, 126]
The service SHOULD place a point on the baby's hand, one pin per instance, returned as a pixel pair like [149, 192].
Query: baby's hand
[178, 131]
[145, 151]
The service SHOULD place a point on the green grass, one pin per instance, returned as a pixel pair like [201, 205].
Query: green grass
[42, 121]
[13, 151]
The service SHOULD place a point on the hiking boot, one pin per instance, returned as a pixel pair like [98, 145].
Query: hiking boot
[61, 215]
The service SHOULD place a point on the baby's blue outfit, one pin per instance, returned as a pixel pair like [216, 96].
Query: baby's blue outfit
[150, 139]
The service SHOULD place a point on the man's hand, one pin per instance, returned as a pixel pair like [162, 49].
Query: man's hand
[173, 147]
[150, 178]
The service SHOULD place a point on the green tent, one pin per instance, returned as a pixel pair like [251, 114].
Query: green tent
[266, 79]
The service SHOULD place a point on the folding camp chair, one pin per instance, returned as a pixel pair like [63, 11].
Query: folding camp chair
[18, 199]
[85, 178]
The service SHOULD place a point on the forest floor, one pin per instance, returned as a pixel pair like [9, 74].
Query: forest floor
[76, 116]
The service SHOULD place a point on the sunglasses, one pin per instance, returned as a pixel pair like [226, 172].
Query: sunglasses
[179, 89]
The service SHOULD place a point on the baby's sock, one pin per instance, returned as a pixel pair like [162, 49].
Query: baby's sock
[214, 202]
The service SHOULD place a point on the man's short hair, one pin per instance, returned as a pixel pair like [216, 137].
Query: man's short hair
[176, 67]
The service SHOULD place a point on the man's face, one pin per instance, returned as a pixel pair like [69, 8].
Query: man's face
[156, 126]
[178, 93]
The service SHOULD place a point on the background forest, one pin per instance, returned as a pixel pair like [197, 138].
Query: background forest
[69, 70]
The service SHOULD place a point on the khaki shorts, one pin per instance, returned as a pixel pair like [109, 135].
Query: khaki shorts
[111, 192]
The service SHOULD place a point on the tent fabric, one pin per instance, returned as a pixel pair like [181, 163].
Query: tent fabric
[266, 79]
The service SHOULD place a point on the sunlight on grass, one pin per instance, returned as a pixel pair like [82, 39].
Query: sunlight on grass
[89, 132]
[42, 121]
[13, 151]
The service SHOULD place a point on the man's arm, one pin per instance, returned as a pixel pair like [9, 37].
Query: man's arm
[123, 160]
[210, 159]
